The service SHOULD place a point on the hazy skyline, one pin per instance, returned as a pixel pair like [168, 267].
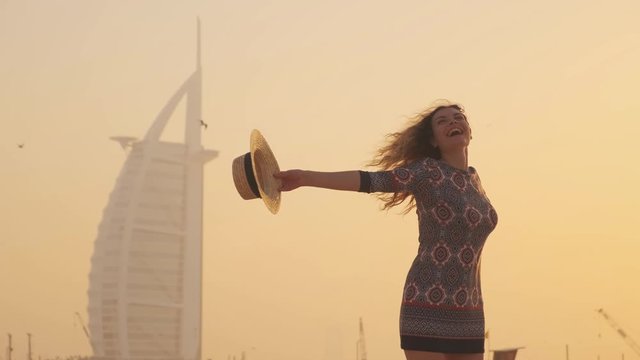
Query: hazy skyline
[549, 88]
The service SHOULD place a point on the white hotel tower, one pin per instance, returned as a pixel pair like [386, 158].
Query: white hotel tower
[145, 284]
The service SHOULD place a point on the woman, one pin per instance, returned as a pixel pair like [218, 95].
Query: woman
[441, 316]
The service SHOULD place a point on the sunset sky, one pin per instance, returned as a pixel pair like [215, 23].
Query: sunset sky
[550, 89]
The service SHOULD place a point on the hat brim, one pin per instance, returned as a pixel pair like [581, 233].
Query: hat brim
[265, 166]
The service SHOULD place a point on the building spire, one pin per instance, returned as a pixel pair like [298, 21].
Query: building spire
[198, 63]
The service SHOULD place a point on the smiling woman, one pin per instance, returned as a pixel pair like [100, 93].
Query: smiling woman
[442, 313]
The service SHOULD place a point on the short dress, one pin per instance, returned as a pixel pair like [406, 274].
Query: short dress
[442, 308]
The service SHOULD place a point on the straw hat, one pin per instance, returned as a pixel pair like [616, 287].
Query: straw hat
[253, 173]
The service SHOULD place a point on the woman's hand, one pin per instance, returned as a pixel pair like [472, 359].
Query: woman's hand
[290, 179]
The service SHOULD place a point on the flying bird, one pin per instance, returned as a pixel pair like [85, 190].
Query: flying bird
[202, 123]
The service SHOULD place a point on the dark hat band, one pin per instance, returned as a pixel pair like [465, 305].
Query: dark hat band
[251, 179]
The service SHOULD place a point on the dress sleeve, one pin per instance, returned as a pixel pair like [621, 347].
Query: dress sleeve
[397, 180]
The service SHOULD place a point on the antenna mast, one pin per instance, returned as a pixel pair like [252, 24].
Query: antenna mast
[9, 348]
[198, 48]
[29, 346]
[361, 351]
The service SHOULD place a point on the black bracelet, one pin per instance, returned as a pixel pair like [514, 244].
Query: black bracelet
[365, 182]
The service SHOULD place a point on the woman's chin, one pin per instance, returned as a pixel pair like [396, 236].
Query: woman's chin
[454, 145]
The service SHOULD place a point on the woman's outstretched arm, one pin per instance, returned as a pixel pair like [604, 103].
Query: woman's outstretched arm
[343, 180]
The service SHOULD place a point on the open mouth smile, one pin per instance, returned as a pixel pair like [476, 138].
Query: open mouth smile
[455, 132]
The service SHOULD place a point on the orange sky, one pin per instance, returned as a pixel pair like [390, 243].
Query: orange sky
[550, 90]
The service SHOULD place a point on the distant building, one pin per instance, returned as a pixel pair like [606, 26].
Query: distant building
[145, 284]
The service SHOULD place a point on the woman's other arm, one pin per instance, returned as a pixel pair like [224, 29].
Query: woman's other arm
[342, 180]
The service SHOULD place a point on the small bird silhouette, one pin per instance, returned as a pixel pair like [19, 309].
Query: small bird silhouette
[203, 124]
[21, 145]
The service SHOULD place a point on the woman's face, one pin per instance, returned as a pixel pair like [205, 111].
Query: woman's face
[450, 129]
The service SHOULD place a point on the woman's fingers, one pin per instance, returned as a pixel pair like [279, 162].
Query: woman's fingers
[282, 176]
[288, 180]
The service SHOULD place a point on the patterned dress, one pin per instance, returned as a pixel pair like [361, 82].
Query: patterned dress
[442, 308]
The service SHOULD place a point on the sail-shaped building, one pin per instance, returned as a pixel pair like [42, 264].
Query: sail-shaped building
[145, 284]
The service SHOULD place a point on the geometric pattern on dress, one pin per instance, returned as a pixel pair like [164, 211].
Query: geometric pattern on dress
[434, 175]
[422, 274]
[457, 235]
[440, 254]
[467, 256]
[475, 183]
[435, 295]
[453, 277]
[461, 297]
[410, 292]
[403, 176]
[460, 323]
[472, 215]
[459, 181]
[428, 227]
[475, 297]
[443, 213]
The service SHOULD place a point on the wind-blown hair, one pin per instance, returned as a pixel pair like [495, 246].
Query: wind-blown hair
[406, 146]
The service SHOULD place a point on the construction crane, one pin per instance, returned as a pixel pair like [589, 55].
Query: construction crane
[84, 328]
[632, 344]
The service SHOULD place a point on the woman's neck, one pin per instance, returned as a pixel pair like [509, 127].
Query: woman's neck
[457, 159]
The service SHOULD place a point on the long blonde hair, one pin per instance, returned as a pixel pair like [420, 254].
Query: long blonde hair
[406, 146]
